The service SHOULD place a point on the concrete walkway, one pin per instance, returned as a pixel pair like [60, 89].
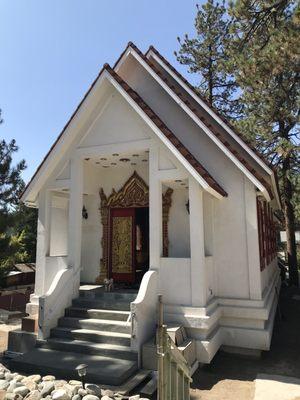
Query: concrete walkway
[276, 387]
[231, 376]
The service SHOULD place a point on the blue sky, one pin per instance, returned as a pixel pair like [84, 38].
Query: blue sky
[51, 51]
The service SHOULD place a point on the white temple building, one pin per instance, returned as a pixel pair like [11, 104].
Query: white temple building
[149, 186]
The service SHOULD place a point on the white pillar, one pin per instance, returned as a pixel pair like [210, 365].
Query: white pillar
[75, 219]
[155, 210]
[198, 270]
[43, 235]
[255, 286]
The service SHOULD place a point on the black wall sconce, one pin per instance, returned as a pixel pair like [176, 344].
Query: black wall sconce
[85, 214]
[187, 206]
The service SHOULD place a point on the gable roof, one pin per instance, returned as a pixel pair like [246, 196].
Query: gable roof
[168, 134]
[241, 139]
[213, 130]
[212, 108]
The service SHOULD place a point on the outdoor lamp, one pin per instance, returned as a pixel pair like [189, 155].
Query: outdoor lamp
[81, 370]
[187, 206]
[85, 214]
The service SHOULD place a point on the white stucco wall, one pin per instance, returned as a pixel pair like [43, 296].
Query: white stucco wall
[179, 227]
[230, 250]
[267, 274]
[59, 226]
[118, 122]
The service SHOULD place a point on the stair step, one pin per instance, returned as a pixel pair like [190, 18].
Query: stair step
[82, 302]
[90, 290]
[95, 313]
[81, 346]
[89, 335]
[106, 370]
[95, 324]
[112, 296]
[134, 382]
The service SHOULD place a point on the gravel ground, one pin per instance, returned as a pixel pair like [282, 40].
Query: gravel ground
[232, 377]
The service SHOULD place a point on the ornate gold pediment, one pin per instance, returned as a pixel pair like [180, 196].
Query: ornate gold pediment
[134, 193]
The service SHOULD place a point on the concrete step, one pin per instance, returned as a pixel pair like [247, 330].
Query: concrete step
[90, 291]
[95, 324]
[106, 370]
[81, 346]
[122, 339]
[134, 382]
[78, 312]
[112, 296]
[101, 303]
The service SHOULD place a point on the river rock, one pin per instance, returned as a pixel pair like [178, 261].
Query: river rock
[60, 394]
[93, 389]
[13, 385]
[76, 397]
[48, 387]
[107, 392]
[75, 383]
[13, 396]
[82, 392]
[106, 398]
[33, 395]
[8, 376]
[71, 389]
[4, 384]
[32, 378]
[90, 397]
[3, 368]
[31, 385]
[59, 384]
[22, 390]
[48, 378]
[19, 378]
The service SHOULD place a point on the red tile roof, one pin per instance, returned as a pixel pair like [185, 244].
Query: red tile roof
[217, 132]
[188, 156]
[167, 132]
[239, 134]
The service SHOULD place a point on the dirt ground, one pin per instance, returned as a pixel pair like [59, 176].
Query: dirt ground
[232, 377]
[4, 330]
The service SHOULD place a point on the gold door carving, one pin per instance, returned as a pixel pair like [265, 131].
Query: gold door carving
[134, 193]
[121, 255]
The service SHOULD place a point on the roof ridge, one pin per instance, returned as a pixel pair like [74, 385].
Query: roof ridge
[167, 132]
[207, 124]
[233, 128]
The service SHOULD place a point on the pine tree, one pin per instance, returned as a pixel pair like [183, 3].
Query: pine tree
[265, 57]
[17, 224]
[205, 55]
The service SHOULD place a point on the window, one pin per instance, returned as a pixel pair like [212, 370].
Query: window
[266, 233]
